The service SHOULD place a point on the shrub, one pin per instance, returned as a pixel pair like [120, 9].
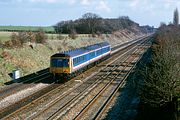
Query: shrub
[93, 35]
[98, 33]
[31, 37]
[1, 44]
[73, 34]
[59, 49]
[40, 37]
[60, 37]
[5, 54]
[15, 40]
[8, 44]
[23, 37]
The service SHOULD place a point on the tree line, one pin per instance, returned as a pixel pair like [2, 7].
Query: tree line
[91, 23]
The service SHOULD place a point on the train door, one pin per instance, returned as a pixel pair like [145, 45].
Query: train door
[59, 65]
[65, 66]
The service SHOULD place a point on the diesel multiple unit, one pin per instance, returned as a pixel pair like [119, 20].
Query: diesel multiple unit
[74, 61]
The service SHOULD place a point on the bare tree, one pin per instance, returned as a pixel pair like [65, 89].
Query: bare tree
[92, 21]
[176, 17]
[40, 36]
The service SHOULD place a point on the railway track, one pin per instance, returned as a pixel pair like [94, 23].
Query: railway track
[16, 87]
[53, 95]
[11, 92]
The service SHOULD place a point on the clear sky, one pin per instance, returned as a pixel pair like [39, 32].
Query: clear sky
[49, 12]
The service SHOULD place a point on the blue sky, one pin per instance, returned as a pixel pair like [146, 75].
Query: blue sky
[49, 12]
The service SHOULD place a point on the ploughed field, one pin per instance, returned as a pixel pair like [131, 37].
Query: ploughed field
[37, 100]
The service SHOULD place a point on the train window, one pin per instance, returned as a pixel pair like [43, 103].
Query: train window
[75, 61]
[65, 62]
[93, 54]
[78, 60]
[98, 52]
[85, 57]
[103, 50]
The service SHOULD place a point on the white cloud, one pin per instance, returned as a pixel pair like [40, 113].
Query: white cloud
[103, 6]
[48, 1]
[85, 2]
[134, 3]
[71, 2]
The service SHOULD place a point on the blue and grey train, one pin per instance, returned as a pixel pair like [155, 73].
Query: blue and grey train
[72, 62]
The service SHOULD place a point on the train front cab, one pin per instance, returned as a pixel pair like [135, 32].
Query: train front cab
[60, 66]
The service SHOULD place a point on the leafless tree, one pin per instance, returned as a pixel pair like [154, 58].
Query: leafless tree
[92, 20]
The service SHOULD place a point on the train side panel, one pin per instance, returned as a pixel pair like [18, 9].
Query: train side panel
[89, 58]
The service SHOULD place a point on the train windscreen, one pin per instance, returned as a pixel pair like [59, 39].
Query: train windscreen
[58, 62]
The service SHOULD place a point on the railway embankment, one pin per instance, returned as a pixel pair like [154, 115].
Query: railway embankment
[30, 60]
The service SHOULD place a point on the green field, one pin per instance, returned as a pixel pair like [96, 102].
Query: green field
[49, 29]
[5, 36]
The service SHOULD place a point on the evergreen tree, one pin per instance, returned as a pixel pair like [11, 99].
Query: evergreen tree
[176, 17]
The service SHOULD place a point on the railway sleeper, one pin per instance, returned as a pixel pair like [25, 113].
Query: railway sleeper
[115, 83]
[116, 65]
[136, 54]
[117, 70]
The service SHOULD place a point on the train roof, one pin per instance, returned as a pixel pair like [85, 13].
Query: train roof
[82, 50]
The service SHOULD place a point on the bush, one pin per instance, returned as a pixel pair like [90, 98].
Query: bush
[60, 37]
[15, 40]
[1, 44]
[40, 37]
[8, 44]
[5, 54]
[73, 34]
[23, 37]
